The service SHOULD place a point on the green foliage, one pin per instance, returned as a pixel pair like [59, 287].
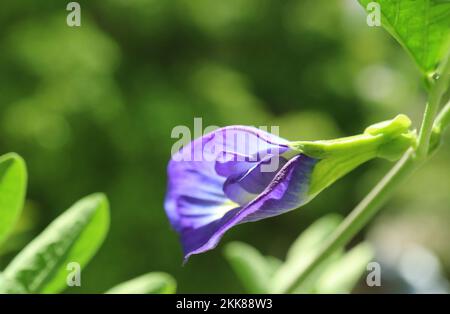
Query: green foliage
[422, 27]
[8, 285]
[13, 182]
[337, 274]
[75, 236]
[313, 235]
[342, 275]
[302, 251]
[253, 269]
[152, 283]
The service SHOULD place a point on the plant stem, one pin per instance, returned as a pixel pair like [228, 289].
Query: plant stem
[443, 118]
[361, 215]
[431, 110]
[370, 205]
[436, 93]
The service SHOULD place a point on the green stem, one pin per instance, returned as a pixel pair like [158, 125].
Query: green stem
[423, 143]
[370, 205]
[440, 124]
[432, 108]
[361, 215]
[443, 118]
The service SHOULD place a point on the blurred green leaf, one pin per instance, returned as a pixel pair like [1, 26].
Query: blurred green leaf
[253, 269]
[313, 235]
[309, 284]
[13, 182]
[304, 249]
[422, 27]
[10, 286]
[274, 264]
[343, 274]
[152, 283]
[74, 236]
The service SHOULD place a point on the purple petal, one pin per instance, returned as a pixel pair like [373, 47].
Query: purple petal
[287, 191]
[248, 185]
[197, 173]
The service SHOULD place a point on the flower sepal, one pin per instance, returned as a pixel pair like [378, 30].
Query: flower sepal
[388, 140]
[382, 139]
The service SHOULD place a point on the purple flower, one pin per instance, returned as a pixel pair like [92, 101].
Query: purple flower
[231, 176]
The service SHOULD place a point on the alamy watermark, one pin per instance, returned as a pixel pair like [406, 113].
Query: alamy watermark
[73, 278]
[374, 14]
[242, 144]
[74, 17]
[373, 278]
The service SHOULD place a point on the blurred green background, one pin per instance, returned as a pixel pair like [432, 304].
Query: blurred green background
[92, 108]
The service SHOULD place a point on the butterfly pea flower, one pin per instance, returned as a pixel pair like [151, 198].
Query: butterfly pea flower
[240, 174]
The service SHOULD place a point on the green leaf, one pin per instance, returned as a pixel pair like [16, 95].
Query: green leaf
[422, 27]
[152, 283]
[312, 236]
[302, 251]
[253, 269]
[343, 274]
[274, 264]
[309, 284]
[13, 182]
[9, 286]
[74, 236]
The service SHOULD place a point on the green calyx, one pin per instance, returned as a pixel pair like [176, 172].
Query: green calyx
[387, 140]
